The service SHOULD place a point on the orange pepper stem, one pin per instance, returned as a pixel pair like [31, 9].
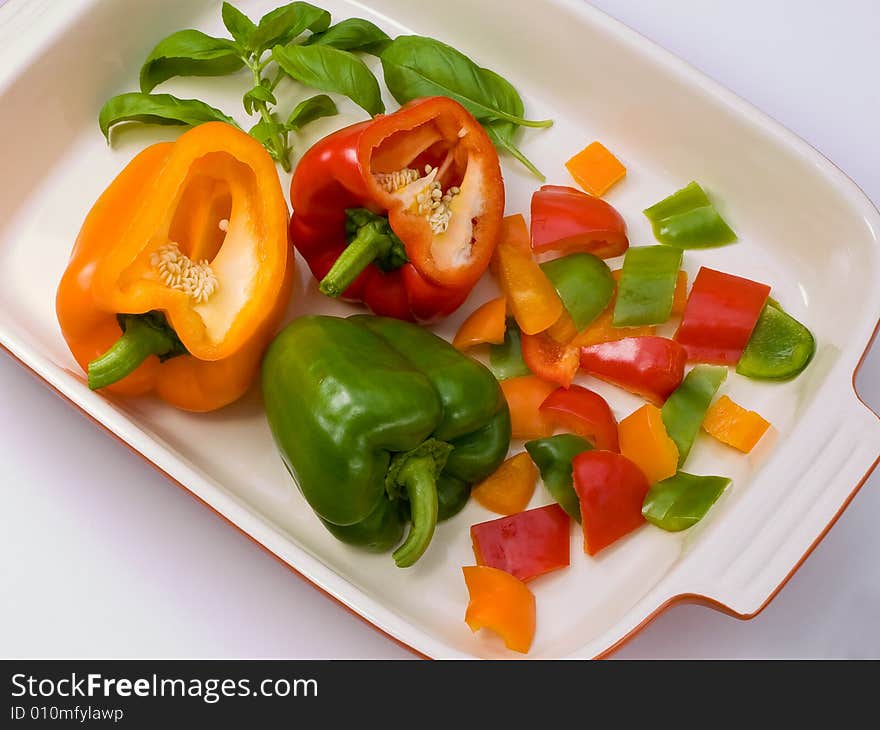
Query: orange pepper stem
[418, 476]
[373, 241]
[143, 335]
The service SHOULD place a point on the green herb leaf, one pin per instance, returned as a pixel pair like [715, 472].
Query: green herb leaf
[682, 500]
[416, 66]
[257, 94]
[189, 53]
[353, 34]
[264, 132]
[330, 69]
[239, 25]
[282, 25]
[309, 110]
[503, 133]
[157, 109]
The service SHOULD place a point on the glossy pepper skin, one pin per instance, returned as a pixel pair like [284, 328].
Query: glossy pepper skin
[179, 192]
[379, 420]
[412, 273]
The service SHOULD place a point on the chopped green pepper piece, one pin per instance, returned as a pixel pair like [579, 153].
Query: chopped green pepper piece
[687, 219]
[553, 457]
[685, 409]
[505, 360]
[682, 500]
[780, 347]
[647, 286]
[584, 284]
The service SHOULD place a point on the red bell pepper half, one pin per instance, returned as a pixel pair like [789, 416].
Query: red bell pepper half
[431, 168]
[585, 413]
[611, 490]
[566, 220]
[721, 312]
[527, 544]
[651, 367]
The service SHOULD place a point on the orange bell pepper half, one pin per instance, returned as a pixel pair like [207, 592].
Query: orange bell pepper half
[595, 169]
[734, 425]
[485, 325]
[501, 603]
[531, 297]
[181, 272]
[510, 487]
[524, 398]
[644, 441]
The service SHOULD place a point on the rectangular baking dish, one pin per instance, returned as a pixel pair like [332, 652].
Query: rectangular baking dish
[803, 226]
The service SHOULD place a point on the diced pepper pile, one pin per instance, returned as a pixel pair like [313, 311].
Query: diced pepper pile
[564, 312]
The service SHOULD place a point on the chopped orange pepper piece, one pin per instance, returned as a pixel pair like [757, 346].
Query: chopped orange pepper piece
[484, 325]
[501, 603]
[563, 330]
[510, 487]
[524, 397]
[531, 296]
[595, 169]
[680, 298]
[644, 441]
[734, 425]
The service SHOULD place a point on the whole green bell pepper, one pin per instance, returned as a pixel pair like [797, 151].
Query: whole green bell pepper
[379, 422]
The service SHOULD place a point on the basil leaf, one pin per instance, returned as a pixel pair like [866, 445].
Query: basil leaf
[416, 66]
[502, 133]
[309, 110]
[239, 25]
[189, 53]
[258, 93]
[157, 109]
[264, 131]
[282, 25]
[682, 500]
[354, 34]
[330, 69]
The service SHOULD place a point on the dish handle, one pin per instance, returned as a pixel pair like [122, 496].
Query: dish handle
[781, 528]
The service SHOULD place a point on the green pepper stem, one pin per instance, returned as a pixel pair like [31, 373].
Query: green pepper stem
[417, 476]
[136, 344]
[365, 247]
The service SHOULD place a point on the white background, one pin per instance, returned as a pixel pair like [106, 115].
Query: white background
[101, 557]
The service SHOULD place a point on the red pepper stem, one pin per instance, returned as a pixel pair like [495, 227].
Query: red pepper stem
[418, 477]
[365, 247]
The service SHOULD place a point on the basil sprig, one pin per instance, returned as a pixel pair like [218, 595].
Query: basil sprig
[416, 66]
[298, 42]
[193, 53]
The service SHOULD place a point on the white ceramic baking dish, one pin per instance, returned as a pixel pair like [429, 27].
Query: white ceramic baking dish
[803, 226]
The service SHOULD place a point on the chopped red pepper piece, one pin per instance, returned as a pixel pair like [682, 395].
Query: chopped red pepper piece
[527, 544]
[585, 413]
[611, 490]
[721, 312]
[566, 220]
[651, 367]
[550, 360]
